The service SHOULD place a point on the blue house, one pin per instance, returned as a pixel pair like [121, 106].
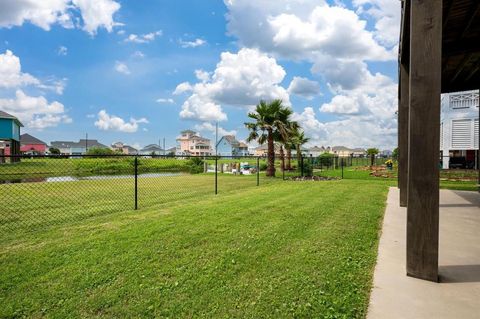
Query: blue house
[229, 146]
[9, 136]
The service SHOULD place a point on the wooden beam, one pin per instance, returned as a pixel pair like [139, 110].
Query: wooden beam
[460, 67]
[446, 16]
[424, 138]
[404, 45]
[403, 134]
[475, 8]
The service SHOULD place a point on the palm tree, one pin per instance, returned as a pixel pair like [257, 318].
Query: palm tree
[298, 138]
[372, 152]
[292, 128]
[270, 123]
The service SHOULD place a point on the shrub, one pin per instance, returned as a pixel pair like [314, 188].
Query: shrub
[307, 167]
[263, 166]
[101, 151]
[326, 159]
[195, 165]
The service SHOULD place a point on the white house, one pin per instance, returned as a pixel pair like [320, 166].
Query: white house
[459, 130]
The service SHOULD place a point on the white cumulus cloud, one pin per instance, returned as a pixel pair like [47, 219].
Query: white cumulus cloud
[192, 44]
[182, 88]
[143, 38]
[211, 129]
[107, 122]
[62, 50]
[35, 112]
[165, 100]
[11, 75]
[121, 67]
[240, 79]
[94, 14]
[304, 87]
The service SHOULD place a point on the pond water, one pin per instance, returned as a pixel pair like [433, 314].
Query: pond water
[57, 179]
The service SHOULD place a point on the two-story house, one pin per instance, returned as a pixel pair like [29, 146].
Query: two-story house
[123, 148]
[9, 136]
[229, 146]
[31, 145]
[190, 143]
[459, 130]
[76, 148]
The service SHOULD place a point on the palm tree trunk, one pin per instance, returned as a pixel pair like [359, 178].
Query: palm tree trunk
[289, 158]
[282, 157]
[270, 155]
[299, 155]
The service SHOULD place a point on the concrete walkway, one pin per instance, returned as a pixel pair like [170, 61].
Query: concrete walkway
[394, 295]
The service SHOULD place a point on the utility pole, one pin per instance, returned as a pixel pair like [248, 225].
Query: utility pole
[86, 143]
[164, 150]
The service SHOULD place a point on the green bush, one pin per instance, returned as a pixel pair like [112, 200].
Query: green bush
[101, 151]
[263, 166]
[307, 167]
[326, 159]
[195, 165]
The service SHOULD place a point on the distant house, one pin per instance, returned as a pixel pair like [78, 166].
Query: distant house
[172, 151]
[229, 146]
[303, 150]
[263, 149]
[9, 136]
[76, 148]
[359, 152]
[343, 151]
[32, 145]
[316, 151]
[459, 130]
[123, 148]
[152, 149]
[190, 143]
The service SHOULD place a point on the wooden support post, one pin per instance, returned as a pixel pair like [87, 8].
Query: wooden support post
[424, 138]
[403, 135]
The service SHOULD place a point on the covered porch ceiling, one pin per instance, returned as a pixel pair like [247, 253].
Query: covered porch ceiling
[460, 43]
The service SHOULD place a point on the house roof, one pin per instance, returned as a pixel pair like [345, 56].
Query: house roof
[230, 140]
[317, 149]
[151, 147]
[358, 149]
[242, 145]
[340, 148]
[80, 144]
[264, 147]
[130, 149]
[188, 131]
[5, 115]
[29, 139]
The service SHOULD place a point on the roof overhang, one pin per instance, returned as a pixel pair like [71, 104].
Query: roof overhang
[460, 44]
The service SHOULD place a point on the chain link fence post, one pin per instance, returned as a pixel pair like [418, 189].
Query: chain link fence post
[136, 182]
[216, 175]
[258, 171]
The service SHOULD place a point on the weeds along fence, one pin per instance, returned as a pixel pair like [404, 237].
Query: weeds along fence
[40, 191]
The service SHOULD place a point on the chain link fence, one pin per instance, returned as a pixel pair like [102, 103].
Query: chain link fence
[41, 191]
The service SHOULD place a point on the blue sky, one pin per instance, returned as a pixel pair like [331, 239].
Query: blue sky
[112, 69]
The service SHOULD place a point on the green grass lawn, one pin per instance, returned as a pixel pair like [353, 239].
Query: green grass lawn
[281, 250]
